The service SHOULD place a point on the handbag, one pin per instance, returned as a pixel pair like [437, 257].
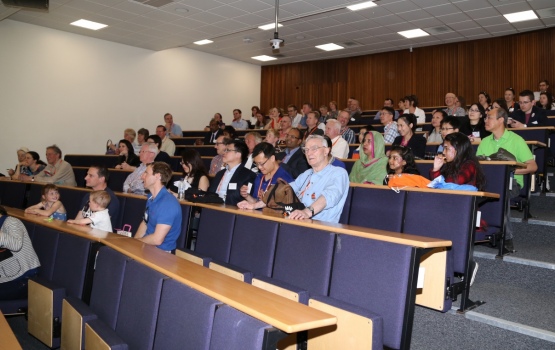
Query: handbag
[196, 195]
[281, 198]
[109, 149]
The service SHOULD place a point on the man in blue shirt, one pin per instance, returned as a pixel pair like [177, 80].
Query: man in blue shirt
[161, 225]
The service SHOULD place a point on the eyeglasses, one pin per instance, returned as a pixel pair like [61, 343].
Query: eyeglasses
[312, 149]
[258, 165]
[229, 150]
[524, 102]
[291, 136]
[445, 129]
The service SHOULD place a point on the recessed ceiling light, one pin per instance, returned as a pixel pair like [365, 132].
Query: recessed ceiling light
[361, 6]
[270, 26]
[329, 47]
[414, 33]
[88, 24]
[203, 42]
[264, 58]
[521, 16]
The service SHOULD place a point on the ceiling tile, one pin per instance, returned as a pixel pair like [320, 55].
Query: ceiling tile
[228, 11]
[442, 10]
[207, 17]
[132, 7]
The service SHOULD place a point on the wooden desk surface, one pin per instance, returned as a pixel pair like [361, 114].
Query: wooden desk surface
[485, 162]
[379, 235]
[282, 313]
[7, 338]
[433, 190]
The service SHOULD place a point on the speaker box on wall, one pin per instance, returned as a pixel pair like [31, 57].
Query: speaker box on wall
[32, 4]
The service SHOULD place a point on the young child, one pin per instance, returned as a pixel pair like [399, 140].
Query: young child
[401, 160]
[100, 218]
[50, 205]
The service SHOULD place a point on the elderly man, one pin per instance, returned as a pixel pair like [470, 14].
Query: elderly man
[347, 133]
[292, 159]
[390, 131]
[134, 182]
[296, 117]
[168, 145]
[322, 189]
[215, 131]
[252, 139]
[161, 225]
[217, 162]
[96, 179]
[496, 123]
[228, 182]
[172, 129]
[528, 114]
[355, 112]
[387, 103]
[340, 147]
[313, 125]
[451, 103]
[238, 123]
[285, 126]
[270, 172]
[58, 171]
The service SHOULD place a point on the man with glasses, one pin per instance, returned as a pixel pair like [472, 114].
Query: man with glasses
[228, 182]
[217, 162]
[58, 171]
[134, 183]
[322, 189]
[292, 159]
[528, 114]
[161, 225]
[451, 103]
[347, 133]
[448, 126]
[390, 131]
[269, 172]
[387, 103]
[339, 147]
[295, 115]
[496, 123]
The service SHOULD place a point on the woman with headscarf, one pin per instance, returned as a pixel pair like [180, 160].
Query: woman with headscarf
[371, 167]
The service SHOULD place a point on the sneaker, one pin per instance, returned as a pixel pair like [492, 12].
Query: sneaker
[473, 270]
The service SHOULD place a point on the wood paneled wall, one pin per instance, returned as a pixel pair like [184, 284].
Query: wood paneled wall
[465, 68]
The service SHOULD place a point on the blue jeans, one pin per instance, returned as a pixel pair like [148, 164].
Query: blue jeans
[17, 288]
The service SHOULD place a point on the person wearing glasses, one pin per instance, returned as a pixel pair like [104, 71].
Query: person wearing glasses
[161, 223]
[269, 172]
[217, 162]
[292, 159]
[448, 126]
[134, 183]
[528, 115]
[474, 126]
[228, 182]
[296, 117]
[58, 171]
[322, 189]
[451, 103]
[390, 131]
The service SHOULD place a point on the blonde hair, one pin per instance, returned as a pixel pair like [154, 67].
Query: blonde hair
[130, 132]
[272, 131]
[102, 198]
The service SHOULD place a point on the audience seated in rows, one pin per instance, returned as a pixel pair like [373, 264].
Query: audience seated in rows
[545, 101]
[313, 125]
[30, 166]
[215, 131]
[434, 135]
[400, 161]
[142, 136]
[294, 114]
[334, 110]
[388, 102]
[50, 204]
[194, 173]
[14, 173]
[509, 97]
[528, 115]
[474, 126]
[272, 137]
[238, 123]
[331, 159]
[355, 112]
[390, 126]
[99, 217]
[97, 179]
[275, 117]
[161, 156]
[361, 132]
[451, 103]
[285, 126]
[252, 139]
[484, 100]
[58, 171]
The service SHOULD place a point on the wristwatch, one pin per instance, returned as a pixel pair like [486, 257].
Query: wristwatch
[32, 179]
[311, 210]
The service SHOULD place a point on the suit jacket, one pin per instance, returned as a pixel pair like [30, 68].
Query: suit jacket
[538, 117]
[296, 165]
[241, 176]
[219, 133]
[355, 119]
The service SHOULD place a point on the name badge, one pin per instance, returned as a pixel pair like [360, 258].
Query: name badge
[475, 134]
[232, 186]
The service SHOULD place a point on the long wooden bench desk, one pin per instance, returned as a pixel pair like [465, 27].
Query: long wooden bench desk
[9, 341]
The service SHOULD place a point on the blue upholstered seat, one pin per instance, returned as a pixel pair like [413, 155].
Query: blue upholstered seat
[234, 330]
[377, 208]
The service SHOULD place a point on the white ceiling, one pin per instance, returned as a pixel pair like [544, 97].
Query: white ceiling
[307, 23]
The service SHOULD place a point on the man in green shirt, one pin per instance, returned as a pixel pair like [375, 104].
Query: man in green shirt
[496, 123]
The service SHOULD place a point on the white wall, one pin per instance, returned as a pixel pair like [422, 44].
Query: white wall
[77, 92]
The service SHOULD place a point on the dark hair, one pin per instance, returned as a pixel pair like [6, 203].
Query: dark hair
[389, 99]
[465, 153]
[163, 169]
[144, 132]
[462, 101]
[443, 113]
[102, 172]
[544, 81]
[299, 131]
[413, 100]
[502, 103]
[407, 155]
[455, 122]
[527, 93]
[161, 126]
[257, 110]
[238, 110]
[549, 101]
[390, 110]
[511, 90]
[156, 140]
[293, 106]
[265, 148]
[36, 157]
[409, 119]
[231, 131]
[308, 104]
[486, 95]
[130, 149]
[191, 157]
[480, 108]
[240, 147]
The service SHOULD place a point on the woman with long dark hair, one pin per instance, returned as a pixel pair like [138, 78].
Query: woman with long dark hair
[127, 154]
[406, 125]
[194, 171]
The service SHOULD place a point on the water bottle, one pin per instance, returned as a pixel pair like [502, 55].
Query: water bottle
[181, 191]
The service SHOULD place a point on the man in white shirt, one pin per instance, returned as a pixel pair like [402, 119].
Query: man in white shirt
[167, 145]
[340, 147]
[295, 115]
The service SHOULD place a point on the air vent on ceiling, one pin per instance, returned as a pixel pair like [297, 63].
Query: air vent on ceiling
[546, 13]
[351, 43]
[153, 3]
[438, 30]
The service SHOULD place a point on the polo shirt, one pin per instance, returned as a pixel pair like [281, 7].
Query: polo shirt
[165, 210]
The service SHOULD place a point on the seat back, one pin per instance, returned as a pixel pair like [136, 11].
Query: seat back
[253, 245]
[34, 194]
[132, 210]
[185, 216]
[185, 318]
[377, 208]
[497, 177]
[107, 285]
[70, 266]
[80, 173]
[86, 160]
[45, 243]
[71, 198]
[214, 234]
[303, 258]
[234, 330]
[117, 178]
[13, 194]
[138, 309]
[365, 275]
[344, 219]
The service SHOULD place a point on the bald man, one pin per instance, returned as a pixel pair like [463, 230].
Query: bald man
[451, 103]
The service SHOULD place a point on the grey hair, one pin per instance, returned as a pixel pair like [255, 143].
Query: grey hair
[318, 137]
[153, 148]
[256, 135]
[335, 124]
